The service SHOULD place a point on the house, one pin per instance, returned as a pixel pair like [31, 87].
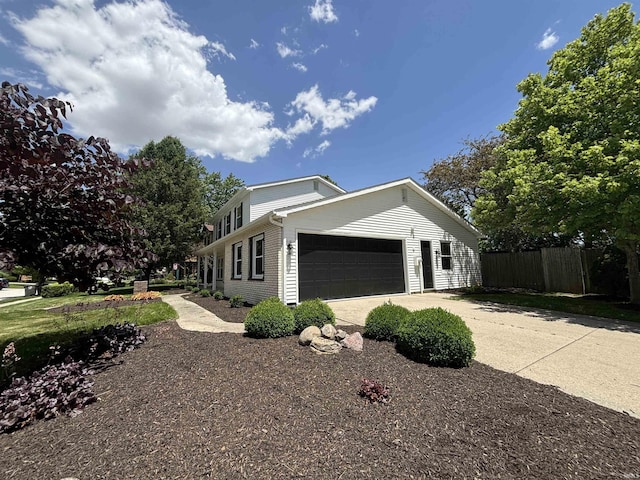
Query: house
[308, 238]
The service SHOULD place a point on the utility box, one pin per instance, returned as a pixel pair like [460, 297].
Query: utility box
[29, 290]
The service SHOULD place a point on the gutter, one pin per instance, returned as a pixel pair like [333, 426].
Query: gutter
[283, 249]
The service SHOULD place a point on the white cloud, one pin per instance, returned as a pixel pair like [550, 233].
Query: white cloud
[3, 40]
[285, 51]
[335, 112]
[283, 30]
[218, 49]
[28, 78]
[549, 39]
[322, 46]
[135, 73]
[254, 44]
[356, 32]
[299, 66]
[322, 11]
[319, 150]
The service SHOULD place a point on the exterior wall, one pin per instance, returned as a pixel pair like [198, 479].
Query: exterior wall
[267, 199]
[384, 214]
[255, 290]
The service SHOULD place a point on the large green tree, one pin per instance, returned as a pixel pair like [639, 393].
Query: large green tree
[571, 159]
[173, 192]
[218, 190]
[64, 210]
[455, 180]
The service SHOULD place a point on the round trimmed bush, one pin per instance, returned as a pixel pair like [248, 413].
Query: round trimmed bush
[218, 295]
[269, 319]
[313, 312]
[437, 337]
[382, 322]
[205, 293]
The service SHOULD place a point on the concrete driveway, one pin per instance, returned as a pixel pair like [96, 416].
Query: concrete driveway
[584, 356]
[11, 293]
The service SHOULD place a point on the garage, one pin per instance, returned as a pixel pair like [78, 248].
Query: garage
[332, 266]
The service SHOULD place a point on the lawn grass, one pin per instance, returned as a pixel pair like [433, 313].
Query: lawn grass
[33, 327]
[583, 305]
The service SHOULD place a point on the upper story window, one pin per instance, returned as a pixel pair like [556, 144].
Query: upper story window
[445, 249]
[316, 185]
[219, 230]
[227, 224]
[237, 261]
[257, 257]
[238, 216]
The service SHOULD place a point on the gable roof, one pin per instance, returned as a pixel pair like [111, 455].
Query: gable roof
[258, 186]
[408, 182]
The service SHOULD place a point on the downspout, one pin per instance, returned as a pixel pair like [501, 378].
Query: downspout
[283, 249]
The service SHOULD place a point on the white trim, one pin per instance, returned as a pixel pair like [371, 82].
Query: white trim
[235, 258]
[283, 212]
[254, 243]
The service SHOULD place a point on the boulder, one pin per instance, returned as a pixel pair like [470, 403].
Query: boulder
[325, 345]
[341, 335]
[353, 342]
[308, 334]
[328, 331]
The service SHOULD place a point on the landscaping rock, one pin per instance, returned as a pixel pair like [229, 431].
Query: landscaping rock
[353, 342]
[325, 345]
[308, 334]
[329, 331]
[341, 335]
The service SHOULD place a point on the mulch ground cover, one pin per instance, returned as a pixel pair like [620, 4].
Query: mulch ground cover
[189, 405]
[221, 308]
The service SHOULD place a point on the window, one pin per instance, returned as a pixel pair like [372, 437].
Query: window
[405, 195]
[219, 229]
[238, 217]
[227, 224]
[316, 185]
[257, 257]
[445, 248]
[237, 260]
[220, 269]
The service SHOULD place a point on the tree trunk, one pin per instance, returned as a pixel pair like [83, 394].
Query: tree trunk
[633, 269]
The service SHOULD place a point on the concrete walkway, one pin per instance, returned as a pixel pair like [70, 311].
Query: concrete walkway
[195, 318]
[584, 356]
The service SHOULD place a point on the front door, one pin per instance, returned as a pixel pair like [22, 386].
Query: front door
[427, 270]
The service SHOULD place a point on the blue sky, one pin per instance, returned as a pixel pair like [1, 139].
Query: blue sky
[364, 91]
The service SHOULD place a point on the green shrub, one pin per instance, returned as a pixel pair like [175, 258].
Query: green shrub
[218, 295]
[57, 290]
[437, 337]
[313, 312]
[269, 319]
[383, 321]
[205, 293]
[236, 301]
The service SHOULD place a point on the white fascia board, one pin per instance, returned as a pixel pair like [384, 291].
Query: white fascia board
[409, 182]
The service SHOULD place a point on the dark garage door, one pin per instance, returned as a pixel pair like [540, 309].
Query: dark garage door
[340, 267]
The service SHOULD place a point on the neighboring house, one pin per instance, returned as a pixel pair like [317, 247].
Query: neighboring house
[308, 238]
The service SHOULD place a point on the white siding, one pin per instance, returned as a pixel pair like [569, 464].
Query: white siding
[267, 199]
[255, 290]
[383, 214]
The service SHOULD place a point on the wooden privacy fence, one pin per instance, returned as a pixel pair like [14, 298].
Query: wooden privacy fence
[549, 270]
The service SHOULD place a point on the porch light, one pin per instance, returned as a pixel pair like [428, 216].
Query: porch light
[289, 248]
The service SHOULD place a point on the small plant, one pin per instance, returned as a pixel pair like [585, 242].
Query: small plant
[437, 337]
[313, 312]
[146, 296]
[269, 319]
[383, 321]
[374, 391]
[9, 360]
[236, 301]
[52, 391]
[113, 298]
[218, 295]
[205, 293]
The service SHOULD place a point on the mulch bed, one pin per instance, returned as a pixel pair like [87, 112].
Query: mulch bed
[201, 405]
[220, 308]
